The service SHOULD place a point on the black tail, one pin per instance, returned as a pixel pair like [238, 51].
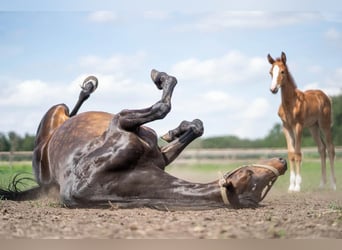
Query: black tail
[14, 190]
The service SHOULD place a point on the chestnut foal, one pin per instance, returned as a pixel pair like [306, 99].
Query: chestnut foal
[298, 110]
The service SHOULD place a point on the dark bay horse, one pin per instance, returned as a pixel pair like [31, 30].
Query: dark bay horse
[97, 158]
[298, 109]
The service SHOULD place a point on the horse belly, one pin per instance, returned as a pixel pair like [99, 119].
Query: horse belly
[75, 133]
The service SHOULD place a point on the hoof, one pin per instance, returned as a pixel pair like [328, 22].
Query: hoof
[159, 78]
[89, 85]
[197, 127]
[167, 137]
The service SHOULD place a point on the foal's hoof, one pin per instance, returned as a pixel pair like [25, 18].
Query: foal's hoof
[89, 85]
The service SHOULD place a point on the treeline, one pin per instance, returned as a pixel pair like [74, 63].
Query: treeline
[275, 138]
[14, 142]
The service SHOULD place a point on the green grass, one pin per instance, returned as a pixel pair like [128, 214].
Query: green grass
[7, 173]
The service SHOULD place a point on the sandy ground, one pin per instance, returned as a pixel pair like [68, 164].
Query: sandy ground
[282, 215]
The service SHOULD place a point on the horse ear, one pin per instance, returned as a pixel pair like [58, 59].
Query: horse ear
[270, 59]
[283, 57]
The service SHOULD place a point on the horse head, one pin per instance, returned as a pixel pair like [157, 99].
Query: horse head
[278, 71]
[248, 185]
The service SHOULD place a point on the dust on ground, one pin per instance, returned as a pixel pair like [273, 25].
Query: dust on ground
[281, 215]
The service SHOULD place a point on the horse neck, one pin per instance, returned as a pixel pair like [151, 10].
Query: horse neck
[176, 192]
[288, 92]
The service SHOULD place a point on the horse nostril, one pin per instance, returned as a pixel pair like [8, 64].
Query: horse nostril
[282, 160]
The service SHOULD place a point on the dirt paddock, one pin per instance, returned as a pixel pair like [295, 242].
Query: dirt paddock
[304, 215]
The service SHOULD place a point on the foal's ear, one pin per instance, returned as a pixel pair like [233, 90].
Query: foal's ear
[270, 59]
[283, 57]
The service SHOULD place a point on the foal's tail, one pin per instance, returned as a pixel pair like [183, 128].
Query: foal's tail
[14, 192]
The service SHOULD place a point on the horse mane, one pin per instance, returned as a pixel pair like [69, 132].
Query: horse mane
[291, 79]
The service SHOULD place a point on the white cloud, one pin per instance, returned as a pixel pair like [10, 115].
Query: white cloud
[118, 63]
[332, 84]
[315, 69]
[255, 109]
[231, 68]
[31, 93]
[156, 15]
[218, 21]
[102, 16]
[333, 34]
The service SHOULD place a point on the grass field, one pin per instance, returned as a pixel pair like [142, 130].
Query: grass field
[311, 173]
[7, 173]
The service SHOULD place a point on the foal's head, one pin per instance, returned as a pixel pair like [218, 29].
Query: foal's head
[279, 72]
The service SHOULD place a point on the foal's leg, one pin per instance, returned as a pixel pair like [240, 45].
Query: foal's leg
[289, 136]
[321, 150]
[331, 153]
[89, 86]
[131, 119]
[179, 138]
[298, 155]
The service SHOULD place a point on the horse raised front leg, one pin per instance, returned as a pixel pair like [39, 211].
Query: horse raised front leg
[180, 137]
[131, 119]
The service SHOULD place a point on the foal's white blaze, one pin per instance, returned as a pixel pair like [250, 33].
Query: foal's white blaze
[275, 74]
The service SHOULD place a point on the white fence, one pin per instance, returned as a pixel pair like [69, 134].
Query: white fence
[191, 156]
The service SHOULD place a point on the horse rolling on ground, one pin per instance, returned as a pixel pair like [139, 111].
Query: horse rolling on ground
[298, 110]
[97, 159]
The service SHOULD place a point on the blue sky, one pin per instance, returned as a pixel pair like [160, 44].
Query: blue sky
[218, 55]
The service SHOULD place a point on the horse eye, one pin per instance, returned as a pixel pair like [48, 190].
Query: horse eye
[282, 72]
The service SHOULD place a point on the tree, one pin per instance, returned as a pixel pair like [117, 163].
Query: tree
[4, 143]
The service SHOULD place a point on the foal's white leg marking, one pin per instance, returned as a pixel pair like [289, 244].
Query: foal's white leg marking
[295, 181]
[292, 181]
[298, 182]
[275, 74]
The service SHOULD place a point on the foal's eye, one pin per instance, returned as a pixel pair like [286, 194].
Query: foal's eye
[282, 72]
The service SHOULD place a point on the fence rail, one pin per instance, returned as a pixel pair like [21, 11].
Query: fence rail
[190, 156]
[234, 154]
